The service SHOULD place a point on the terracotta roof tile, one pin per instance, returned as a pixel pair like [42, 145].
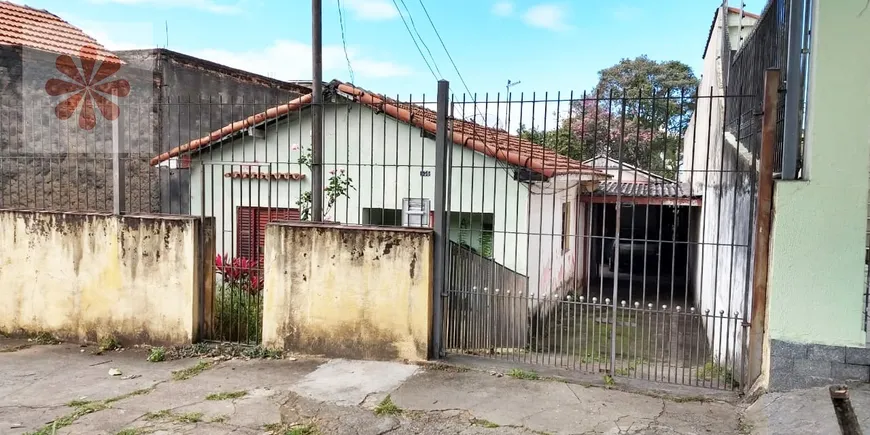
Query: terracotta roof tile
[652, 190]
[37, 29]
[493, 142]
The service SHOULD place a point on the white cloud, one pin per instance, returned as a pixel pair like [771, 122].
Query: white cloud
[213, 6]
[372, 10]
[549, 16]
[118, 36]
[503, 8]
[291, 60]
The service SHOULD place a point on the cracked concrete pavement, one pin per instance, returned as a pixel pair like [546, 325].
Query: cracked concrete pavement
[804, 412]
[333, 396]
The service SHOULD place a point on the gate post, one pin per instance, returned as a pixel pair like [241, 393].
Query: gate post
[761, 239]
[440, 225]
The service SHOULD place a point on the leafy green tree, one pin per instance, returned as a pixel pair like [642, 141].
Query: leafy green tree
[639, 110]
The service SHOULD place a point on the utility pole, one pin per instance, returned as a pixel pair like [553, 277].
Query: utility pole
[316, 111]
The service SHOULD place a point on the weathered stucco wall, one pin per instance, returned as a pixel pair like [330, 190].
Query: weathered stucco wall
[86, 276]
[348, 292]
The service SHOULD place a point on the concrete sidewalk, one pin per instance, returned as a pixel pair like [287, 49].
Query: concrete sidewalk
[804, 412]
[62, 384]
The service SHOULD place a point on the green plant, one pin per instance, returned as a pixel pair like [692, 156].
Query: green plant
[219, 419]
[108, 343]
[260, 352]
[523, 374]
[190, 417]
[712, 372]
[159, 415]
[201, 366]
[132, 431]
[337, 185]
[608, 381]
[387, 407]
[157, 354]
[302, 429]
[238, 314]
[44, 337]
[226, 396]
[81, 409]
[484, 423]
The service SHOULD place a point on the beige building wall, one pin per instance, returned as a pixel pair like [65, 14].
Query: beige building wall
[86, 276]
[348, 292]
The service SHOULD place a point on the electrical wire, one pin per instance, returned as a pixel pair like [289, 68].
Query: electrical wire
[414, 26]
[419, 50]
[344, 39]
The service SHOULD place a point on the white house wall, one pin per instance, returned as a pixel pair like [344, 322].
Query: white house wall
[383, 157]
[552, 271]
[709, 166]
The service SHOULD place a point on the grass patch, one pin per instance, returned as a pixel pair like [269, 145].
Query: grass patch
[84, 408]
[189, 417]
[285, 429]
[141, 392]
[108, 343]
[712, 372]
[484, 423]
[226, 396]
[238, 314]
[133, 431]
[608, 381]
[201, 366]
[159, 415]
[220, 419]
[387, 407]
[157, 354]
[44, 337]
[167, 415]
[523, 374]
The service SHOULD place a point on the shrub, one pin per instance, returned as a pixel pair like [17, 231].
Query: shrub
[238, 314]
[157, 354]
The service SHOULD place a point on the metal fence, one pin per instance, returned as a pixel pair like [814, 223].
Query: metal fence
[779, 39]
[607, 231]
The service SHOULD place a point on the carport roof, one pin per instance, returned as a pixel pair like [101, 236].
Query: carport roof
[644, 193]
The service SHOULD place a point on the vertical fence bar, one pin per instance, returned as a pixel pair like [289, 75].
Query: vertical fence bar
[118, 162]
[762, 223]
[794, 94]
[440, 224]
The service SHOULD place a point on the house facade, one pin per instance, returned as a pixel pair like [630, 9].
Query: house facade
[510, 201]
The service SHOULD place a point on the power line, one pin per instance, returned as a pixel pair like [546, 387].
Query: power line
[414, 26]
[415, 40]
[444, 46]
[344, 39]
[452, 62]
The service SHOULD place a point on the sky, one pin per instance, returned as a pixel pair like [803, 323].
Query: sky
[547, 46]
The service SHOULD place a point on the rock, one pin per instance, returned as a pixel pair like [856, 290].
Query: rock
[115, 372]
[291, 359]
[16, 426]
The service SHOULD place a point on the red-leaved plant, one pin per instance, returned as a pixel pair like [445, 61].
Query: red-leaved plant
[240, 271]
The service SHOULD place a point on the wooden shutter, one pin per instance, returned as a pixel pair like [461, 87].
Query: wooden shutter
[245, 228]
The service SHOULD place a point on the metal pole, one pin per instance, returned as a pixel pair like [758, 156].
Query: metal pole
[794, 93]
[316, 112]
[118, 176]
[440, 213]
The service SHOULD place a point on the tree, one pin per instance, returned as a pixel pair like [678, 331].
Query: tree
[638, 111]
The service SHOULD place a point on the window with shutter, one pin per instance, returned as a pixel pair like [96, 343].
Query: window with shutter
[252, 223]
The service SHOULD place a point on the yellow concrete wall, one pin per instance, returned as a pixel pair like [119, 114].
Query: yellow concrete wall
[85, 276]
[348, 292]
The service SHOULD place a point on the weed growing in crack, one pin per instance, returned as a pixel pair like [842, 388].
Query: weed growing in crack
[219, 419]
[608, 381]
[290, 429]
[140, 392]
[132, 431]
[226, 396]
[201, 366]
[190, 417]
[44, 337]
[484, 423]
[523, 374]
[108, 343]
[387, 407]
[82, 409]
[159, 415]
[157, 354]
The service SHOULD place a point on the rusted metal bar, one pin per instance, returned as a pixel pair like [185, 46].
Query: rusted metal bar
[846, 417]
[763, 216]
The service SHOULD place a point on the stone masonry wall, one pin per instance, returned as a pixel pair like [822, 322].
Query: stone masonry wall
[795, 366]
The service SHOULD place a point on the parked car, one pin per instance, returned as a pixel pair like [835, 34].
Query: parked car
[634, 254]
